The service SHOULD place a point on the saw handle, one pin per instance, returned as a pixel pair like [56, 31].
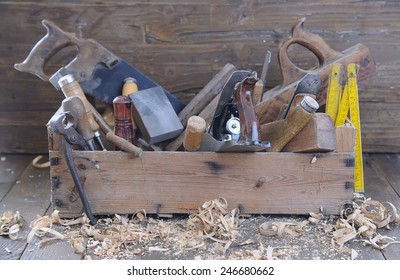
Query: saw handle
[90, 53]
[53, 42]
[312, 42]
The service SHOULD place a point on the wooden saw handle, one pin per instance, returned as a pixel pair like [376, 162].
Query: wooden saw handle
[268, 109]
[312, 42]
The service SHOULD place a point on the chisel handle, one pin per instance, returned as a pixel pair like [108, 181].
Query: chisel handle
[70, 87]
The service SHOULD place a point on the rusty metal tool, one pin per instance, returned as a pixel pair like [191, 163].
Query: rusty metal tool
[99, 72]
[64, 124]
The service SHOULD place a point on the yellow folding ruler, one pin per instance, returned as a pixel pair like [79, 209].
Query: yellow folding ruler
[338, 107]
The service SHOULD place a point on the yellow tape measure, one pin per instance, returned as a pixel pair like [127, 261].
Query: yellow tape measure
[348, 102]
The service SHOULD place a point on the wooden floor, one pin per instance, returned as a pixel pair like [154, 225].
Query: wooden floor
[27, 190]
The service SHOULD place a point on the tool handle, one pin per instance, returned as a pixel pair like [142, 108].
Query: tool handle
[123, 144]
[313, 42]
[90, 53]
[130, 86]
[196, 126]
[74, 105]
[70, 87]
[123, 118]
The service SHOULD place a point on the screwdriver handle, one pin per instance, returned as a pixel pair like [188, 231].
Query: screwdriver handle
[70, 87]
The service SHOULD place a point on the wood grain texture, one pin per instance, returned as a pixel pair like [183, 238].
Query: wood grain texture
[182, 44]
[178, 182]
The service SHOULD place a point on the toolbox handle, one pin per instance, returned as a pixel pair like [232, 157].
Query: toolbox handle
[312, 42]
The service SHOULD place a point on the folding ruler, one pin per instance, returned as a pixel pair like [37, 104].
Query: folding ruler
[338, 106]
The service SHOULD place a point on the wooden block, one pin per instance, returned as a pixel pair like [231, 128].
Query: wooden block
[179, 182]
[317, 136]
[345, 138]
[281, 132]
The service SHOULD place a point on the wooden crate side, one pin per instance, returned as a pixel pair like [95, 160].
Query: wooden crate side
[180, 182]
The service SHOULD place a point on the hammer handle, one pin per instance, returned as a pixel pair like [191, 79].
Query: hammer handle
[74, 89]
[75, 105]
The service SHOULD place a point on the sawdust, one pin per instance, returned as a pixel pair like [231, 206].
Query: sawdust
[214, 232]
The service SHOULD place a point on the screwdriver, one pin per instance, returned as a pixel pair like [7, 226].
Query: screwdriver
[70, 87]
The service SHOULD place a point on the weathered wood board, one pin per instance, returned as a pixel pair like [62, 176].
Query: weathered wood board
[180, 182]
[182, 44]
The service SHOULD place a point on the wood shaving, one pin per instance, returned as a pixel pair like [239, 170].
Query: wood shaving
[313, 160]
[10, 224]
[215, 221]
[213, 231]
[366, 218]
[36, 164]
[294, 229]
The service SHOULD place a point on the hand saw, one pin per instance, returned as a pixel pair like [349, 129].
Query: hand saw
[100, 72]
[347, 105]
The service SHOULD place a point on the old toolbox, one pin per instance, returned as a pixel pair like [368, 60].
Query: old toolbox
[179, 182]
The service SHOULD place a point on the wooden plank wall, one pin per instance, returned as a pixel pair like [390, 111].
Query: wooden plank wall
[181, 44]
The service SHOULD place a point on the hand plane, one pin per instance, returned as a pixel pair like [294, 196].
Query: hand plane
[99, 72]
[234, 127]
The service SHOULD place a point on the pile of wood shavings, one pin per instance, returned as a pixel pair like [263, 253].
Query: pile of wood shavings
[42, 227]
[368, 216]
[135, 236]
[10, 224]
[215, 222]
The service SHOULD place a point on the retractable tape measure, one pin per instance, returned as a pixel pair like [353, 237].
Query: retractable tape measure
[338, 106]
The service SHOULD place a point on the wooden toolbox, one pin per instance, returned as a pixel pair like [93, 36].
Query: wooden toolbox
[180, 182]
